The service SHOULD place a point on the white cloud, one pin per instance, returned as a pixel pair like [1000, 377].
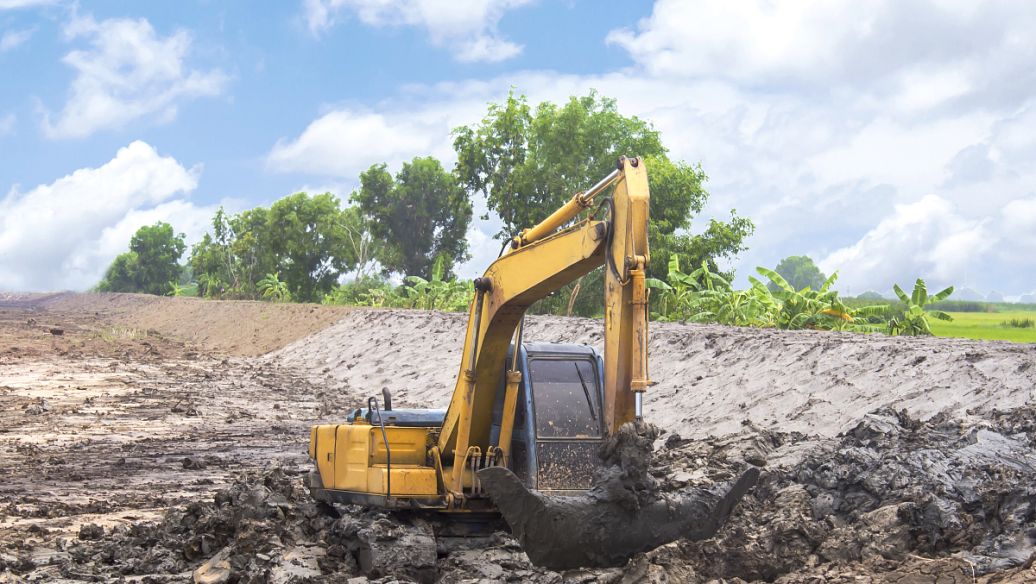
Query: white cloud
[63, 235]
[467, 27]
[823, 151]
[15, 4]
[13, 38]
[344, 142]
[7, 123]
[127, 73]
[927, 238]
[915, 53]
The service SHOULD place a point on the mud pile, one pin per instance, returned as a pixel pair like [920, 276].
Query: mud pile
[894, 499]
[266, 528]
[892, 494]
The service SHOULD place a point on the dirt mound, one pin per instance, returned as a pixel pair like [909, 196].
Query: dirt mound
[711, 379]
[234, 327]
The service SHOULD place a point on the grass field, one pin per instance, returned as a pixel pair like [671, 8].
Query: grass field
[986, 325]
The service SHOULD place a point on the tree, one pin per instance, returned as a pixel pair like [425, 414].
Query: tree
[529, 163]
[152, 262]
[421, 214]
[121, 275]
[307, 240]
[364, 247]
[799, 272]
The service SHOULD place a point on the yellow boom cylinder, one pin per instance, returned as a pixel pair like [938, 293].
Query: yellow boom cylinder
[564, 214]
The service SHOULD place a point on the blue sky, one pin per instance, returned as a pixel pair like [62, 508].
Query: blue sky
[888, 140]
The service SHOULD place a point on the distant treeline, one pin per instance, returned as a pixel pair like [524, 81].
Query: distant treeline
[409, 229]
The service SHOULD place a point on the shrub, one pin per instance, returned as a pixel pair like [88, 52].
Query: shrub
[1018, 323]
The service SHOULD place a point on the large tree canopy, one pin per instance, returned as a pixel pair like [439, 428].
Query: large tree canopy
[307, 236]
[421, 214]
[151, 265]
[528, 163]
[302, 239]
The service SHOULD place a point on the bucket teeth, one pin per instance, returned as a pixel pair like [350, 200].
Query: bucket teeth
[587, 531]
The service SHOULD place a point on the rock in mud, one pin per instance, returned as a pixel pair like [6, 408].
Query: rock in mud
[91, 532]
[390, 547]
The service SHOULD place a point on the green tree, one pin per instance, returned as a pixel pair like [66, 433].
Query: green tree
[212, 260]
[151, 264]
[421, 214]
[527, 163]
[305, 236]
[121, 275]
[799, 272]
[364, 247]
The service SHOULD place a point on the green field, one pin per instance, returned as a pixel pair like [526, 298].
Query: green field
[986, 325]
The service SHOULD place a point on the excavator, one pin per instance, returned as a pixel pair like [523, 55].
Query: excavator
[523, 431]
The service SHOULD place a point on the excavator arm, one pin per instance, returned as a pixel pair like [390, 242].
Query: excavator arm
[541, 260]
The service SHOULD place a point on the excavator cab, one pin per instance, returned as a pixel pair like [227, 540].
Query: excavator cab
[558, 423]
[558, 427]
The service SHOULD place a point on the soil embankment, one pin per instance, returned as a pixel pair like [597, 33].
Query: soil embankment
[242, 328]
[711, 380]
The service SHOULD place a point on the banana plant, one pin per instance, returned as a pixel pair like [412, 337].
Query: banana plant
[914, 321]
[436, 293]
[175, 289]
[675, 293]
[272, 288]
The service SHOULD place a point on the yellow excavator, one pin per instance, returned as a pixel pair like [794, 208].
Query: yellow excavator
[524, 428]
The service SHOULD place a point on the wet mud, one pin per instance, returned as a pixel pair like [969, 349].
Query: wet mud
[625, 512]
[127, 455]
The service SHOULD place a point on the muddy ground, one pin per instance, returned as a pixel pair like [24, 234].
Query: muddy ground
[150, 440]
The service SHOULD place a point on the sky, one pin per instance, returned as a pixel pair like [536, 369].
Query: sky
[888, 140]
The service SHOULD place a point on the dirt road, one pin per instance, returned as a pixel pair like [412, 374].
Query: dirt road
[147, 439]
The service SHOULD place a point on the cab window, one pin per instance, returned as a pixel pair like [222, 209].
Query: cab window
[565, 398]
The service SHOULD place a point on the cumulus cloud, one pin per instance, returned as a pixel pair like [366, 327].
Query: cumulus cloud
[827, 133]
[925, 238]
[14, 38]
[466, 27]
[64, 234]
[923, 52]
[344, 142]
[128, 72]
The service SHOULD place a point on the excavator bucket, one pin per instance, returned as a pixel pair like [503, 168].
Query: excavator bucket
[600, 530]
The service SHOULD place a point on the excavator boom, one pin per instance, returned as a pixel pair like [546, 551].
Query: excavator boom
[542, 260]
